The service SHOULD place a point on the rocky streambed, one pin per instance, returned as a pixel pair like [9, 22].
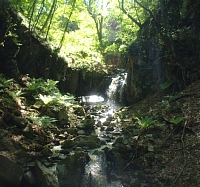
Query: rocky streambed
[152, 143]
[91, 150]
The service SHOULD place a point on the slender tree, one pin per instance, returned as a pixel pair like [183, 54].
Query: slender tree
[67, 24]
[50, 15]
[95, 9]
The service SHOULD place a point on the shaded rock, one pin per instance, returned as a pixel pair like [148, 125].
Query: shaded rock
[72, 130]
[29, 179]
[71, 169]
[36, 147]
[9, 144]
[20, 122]
[10, 172]
[61, 115]
[81, 132]
[86, 124]
[3, 133]
[46, 152]
[67, 144]
[90, 142]
[45, 177]
[78, 149]
[28, 131]
[110, 128]
[79, 110]
[2, 146]
[22, 156]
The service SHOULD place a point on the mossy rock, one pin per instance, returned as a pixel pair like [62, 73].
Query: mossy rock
[71, 169]
[90, 142]
[79, 110]
[67, 144]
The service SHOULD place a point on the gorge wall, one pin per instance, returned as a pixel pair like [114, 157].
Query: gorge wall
[166, 54]
[23, 52]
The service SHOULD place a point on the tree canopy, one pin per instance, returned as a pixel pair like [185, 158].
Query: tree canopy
[86, 31]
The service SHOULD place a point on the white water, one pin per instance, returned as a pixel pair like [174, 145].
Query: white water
[116, 90]
[95, 171]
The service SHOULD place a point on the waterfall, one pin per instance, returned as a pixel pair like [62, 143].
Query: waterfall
[116, 92]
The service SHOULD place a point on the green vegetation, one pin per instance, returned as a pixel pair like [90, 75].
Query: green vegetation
[146, 122]
[43, 121]
[84, 32]
[176, 120]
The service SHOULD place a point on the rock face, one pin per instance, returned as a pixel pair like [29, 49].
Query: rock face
[71, 169]
[34, 56]
[10, 172]
[45, 177]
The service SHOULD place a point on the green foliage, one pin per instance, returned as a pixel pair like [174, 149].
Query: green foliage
[165, 85]
[57, 99]
[146, 122]
[5, 82]
[177, 120]
[48, 93]
[43, 121]
[40, 85]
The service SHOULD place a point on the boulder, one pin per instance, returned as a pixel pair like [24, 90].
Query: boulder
[79, 110]
[71, 169]
[90, 142]
[86, 124]
[68, 143]
[10, 172]
[45, 177]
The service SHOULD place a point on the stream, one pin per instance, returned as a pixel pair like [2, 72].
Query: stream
[95, 167]
[97, 173]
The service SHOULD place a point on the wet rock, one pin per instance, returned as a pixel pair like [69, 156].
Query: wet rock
[118, 163]
[86, 124]
[71, 169]
[22, 156]
[90, 142]
[36, 147]
[72, 130]
[110, 128]
[28, 131]
[62, 136]
[79, 110]
[78, 149]
[10, 172]
[45, 177]
[106, 123]
[9, 144]
[81, 132]
[46, 152]
[99, 124]
[67, 144]
[65, 151]
[29, 179]
[63, 123]
[118, 140]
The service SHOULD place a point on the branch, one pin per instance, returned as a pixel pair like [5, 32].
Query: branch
[148, 10]
[129, 16]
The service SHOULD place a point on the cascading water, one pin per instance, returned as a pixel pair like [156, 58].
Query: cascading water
[116, 91]
[96, 171]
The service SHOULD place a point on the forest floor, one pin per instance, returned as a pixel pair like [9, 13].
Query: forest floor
[177, 148]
